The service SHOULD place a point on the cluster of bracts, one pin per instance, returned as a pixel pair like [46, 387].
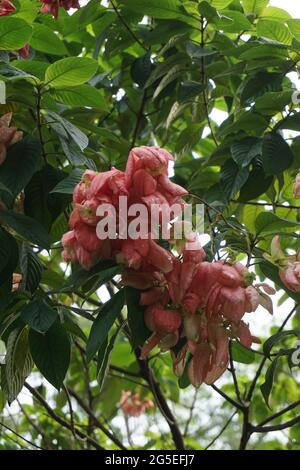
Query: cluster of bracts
[192, 307]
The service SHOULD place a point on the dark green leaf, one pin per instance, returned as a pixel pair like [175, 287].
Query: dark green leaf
[51, 353]
[103, 323]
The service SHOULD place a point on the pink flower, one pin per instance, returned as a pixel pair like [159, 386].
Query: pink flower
[6, 7]
[52, 6]
[164, 323]
[297, 187]
[24, 52]
[132, 404]
[138, 253]
[290, 275]
[8, 135]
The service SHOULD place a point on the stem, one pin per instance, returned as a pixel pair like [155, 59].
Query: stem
[272, 204]
[60, 420]
[132, 33]
[147, 374]
[139, 119]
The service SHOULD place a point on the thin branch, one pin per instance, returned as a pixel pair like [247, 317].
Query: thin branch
[186, 429]
[21, 437]
[221, 432]
[277, 427]
[147, 374]
[95, 420]
[60, 420]
[132, 33]
[232, 371]
[271, 204]
[227, 398]
[280, 413]
[139, 119]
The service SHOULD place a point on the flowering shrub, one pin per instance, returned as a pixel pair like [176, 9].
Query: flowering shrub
[115, 118]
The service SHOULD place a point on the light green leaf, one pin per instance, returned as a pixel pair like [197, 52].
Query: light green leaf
[14, 33]
[72, 71]
[275, 30]
[83, 95]
[45, 40]
[269, 222]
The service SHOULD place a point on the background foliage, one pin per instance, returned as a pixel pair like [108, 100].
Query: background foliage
[96, 83]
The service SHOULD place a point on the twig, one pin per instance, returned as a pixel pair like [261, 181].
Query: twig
[95, 420]
[147, 374]
[21, 437]
[132, 33]
[221, 432]
[60, 420]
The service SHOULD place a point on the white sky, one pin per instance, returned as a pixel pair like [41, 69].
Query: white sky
[292, 6]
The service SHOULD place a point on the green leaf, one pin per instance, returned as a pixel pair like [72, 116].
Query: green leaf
[257, 183]
[19, 166]
[8, 255]
[67, 185]
[277, 155]
[274, 339]
[275, 30]
[189, 90]
[14, 33]
[45, 40]
[103, 272]
[156, 8]
[272, 102]
[220, 4]
[104, 357]
[31, 269]
[51, 353]
[294, 27]
[232, 178]
[244, 151]
[268, 222]
[259, 84]
[72, 71]
[254, 6]
[18, 363]
[291, 122]
[83, 95]
[135, 316]
[103, 323]
[75, 134]
[27, 227]
[242, 354]
[39, 315]
[141, 69]
[267, 386]
[40, 203]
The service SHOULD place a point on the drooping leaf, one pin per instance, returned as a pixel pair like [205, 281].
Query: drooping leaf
[51, 353]
[103, 323]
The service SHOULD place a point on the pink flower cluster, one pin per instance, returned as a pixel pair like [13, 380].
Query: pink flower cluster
[197, 308]
[52, 6]
[289, 265]
[8, 135]
[145, 181]
[132, 404]
[192, 307]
